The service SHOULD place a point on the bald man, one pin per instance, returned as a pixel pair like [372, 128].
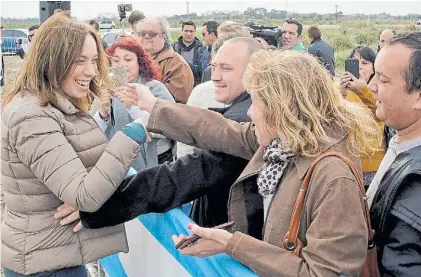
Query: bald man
[385, 37]
[205, 176]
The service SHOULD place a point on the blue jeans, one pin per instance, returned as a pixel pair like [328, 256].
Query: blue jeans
[77, 271]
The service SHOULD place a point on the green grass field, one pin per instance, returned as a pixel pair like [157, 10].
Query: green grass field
[349, 35]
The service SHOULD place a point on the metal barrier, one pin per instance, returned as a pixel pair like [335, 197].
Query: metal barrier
[14, 46]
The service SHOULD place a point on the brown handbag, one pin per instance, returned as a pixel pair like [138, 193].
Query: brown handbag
[293, 244]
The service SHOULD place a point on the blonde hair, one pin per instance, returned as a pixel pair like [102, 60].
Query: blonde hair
[305, 108]
[230, 28]
[54, 50]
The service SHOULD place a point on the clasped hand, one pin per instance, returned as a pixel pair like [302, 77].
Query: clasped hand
[212, 242]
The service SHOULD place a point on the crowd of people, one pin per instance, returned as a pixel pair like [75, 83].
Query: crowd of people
[265, 136]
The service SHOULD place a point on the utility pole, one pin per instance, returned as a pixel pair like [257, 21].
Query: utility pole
[336, 14]
[188, 3]
[286, 9]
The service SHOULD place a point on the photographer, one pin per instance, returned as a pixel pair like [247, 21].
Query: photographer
[291, 32]
[269, 37]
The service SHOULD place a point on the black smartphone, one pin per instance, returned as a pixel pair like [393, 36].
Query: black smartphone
[353, 66]
[193, 238]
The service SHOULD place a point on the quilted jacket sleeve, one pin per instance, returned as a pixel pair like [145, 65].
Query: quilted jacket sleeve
[41, 145]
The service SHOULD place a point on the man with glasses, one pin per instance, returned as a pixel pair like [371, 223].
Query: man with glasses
[32, 30]
[210, 35]
[291, 31]
[155, 37]
[190, 48]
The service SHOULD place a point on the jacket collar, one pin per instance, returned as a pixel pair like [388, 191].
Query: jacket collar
[184, 47]
[242, 97]
[314, 40]
[303, 163]
[299, 47]
[65, 105]
[166, 53]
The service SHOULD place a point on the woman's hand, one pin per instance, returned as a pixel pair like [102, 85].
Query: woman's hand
[104, 108]
[68, 215]
[213, 241]
[146, 100]
[126, 97]
[350, 82]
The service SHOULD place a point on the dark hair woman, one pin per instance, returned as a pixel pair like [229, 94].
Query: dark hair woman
[357, 91]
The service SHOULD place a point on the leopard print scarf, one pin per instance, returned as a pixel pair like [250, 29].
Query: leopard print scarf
[276, 161]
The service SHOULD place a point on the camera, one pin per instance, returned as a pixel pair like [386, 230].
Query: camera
[271, 35]
[122, 9]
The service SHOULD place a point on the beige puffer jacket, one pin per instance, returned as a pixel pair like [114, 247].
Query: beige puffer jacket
[51, 155]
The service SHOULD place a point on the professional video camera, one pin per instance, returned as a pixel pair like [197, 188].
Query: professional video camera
[271, 35]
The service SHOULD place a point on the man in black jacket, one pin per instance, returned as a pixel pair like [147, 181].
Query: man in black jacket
[190, 48]
[395, 192]
[321, 49]
[206, 175]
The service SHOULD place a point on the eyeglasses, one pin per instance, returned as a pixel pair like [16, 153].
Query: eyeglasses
[151, 34]
[30, 37]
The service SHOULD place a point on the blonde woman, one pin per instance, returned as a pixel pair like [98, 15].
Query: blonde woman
[53, 151]
[297, 115]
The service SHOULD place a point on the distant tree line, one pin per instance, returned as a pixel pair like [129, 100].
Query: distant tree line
[263, 13]
[260, 14]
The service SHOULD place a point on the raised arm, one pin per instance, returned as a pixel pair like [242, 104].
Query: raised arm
[166, 186]
[41, 145]
[196, 127]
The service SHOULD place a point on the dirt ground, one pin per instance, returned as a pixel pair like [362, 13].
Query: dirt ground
[12, 66]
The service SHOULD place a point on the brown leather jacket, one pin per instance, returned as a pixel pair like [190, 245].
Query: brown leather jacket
[333, 227]
[176, 73]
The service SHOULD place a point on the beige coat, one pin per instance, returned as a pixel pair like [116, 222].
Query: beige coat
[333, 227]
[51, 155]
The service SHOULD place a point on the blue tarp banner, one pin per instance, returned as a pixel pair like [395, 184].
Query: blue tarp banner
[152, 251]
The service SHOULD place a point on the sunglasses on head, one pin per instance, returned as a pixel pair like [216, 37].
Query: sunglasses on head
[292, 20]
[151, 34]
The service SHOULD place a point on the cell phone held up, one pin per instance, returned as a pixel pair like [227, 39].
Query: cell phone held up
[118, 77]
[353, 66]
[189, 240]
